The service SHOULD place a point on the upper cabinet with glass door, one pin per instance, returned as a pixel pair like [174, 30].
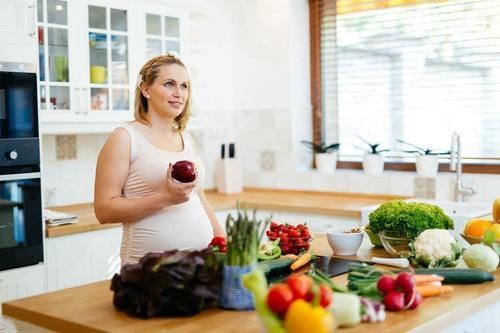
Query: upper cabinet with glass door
[162, 34]
[108, 57]
[53, 55]
[83, 58]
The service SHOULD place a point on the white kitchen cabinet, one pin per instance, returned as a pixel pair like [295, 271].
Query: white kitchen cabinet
[84, 61]
[22, 282]
[17, 31]
[319, 223]
[90, 53]
[82, 258]
[316, 222]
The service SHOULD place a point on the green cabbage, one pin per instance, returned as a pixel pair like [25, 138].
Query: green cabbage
[408, 219]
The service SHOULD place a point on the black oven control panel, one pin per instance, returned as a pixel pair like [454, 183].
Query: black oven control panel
[19, 152]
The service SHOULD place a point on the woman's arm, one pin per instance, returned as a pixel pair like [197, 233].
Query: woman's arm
[111, 174]
[218, 231]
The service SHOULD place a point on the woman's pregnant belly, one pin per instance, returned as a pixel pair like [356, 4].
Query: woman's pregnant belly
[186, 227]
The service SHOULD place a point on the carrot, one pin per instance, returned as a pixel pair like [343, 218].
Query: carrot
[427, 278]
[430, 290]
[301, 261]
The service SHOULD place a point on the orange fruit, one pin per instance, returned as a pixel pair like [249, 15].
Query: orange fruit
[496, 229]
[477, 227]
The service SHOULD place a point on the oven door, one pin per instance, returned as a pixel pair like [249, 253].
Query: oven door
[21, 221]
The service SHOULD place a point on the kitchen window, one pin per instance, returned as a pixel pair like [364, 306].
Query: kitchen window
[416, 70]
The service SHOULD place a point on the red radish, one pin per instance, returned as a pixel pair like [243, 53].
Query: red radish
[406, 281]
[394, 301]
[386, 284]
[413, 300]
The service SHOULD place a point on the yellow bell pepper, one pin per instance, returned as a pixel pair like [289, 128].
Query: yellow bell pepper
[302, 317]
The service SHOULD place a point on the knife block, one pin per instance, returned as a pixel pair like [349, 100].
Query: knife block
[228, 176]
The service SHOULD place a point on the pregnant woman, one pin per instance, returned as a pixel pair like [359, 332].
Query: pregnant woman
[134, 183]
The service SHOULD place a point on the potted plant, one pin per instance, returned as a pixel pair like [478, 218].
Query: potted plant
[427, 162]
[325, 156]
[373, 162]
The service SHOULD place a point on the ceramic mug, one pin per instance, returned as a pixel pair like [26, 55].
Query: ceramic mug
[98, 74]
[61, 68]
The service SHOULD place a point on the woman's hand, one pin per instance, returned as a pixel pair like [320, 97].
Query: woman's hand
[176, 192]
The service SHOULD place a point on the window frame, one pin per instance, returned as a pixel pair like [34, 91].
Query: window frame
[318, 126]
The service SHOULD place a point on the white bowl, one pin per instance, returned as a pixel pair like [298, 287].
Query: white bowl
[342, 243]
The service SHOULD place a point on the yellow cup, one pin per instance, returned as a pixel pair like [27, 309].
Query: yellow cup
[98, 74]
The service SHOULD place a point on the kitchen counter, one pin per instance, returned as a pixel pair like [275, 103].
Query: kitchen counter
[325, 203]
[89, 308]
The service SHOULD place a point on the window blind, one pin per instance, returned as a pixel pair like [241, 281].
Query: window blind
[416, 70]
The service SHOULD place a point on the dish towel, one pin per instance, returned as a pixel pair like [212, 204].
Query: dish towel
[54, 218]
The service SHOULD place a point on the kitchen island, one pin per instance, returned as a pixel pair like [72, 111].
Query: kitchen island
[89, 308]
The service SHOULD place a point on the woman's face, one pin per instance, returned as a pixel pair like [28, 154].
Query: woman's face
[169, 92]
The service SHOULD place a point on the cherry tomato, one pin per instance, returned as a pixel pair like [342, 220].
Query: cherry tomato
[273, 226]
[279, 298]
[325, 295]
[300, 285]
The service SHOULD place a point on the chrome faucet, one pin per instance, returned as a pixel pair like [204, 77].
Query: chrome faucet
[456, 165]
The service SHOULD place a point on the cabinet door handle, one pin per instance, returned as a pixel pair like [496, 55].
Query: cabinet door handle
[78, 100]
[33, 25]
[85, 104]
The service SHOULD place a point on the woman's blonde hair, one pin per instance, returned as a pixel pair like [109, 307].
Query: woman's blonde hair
[147, 75]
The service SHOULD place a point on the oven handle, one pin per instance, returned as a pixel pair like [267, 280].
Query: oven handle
[20, 176]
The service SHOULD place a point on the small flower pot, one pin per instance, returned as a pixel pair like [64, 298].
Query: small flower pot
[373, 164]
[326, 162]
[427, 165]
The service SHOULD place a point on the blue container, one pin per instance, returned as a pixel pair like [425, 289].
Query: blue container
[233, 294]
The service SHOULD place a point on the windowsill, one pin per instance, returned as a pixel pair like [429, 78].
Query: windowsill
[410, 167]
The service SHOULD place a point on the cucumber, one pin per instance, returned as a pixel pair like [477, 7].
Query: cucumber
[458, 275]
[270, 266]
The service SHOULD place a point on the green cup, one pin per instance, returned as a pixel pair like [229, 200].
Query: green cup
[61, 68]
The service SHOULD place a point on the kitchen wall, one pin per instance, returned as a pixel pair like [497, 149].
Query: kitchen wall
[255, 91]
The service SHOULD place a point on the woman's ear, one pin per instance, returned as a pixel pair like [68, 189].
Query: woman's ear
[145, 92]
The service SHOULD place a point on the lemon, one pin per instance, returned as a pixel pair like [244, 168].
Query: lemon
[496, 229]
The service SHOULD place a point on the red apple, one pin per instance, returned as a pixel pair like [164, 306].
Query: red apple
[184, 171]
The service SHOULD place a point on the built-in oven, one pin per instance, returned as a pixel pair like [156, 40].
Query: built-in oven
[21, 218]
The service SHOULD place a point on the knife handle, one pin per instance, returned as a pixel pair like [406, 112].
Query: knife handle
[396, 262]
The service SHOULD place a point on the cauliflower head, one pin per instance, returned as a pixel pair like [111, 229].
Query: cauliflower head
[436, 248]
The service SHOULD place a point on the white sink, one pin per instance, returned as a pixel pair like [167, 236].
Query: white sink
[460, 212]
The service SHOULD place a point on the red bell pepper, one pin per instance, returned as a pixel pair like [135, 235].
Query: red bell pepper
[218, 244]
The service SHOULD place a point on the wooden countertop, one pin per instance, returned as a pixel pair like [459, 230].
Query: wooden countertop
[89, 308]
[326, 203]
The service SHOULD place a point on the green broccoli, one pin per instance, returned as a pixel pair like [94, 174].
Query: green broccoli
[408, 219]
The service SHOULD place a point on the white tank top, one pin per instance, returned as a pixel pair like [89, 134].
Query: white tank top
[179, 226]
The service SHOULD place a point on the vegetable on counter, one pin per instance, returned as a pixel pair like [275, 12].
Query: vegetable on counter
[458, 275]
[256, 282]
[243, 235]
[219, 244]
[347, 309]
[179, 283]
[269, 251]
[297, 305]
[428, 290]
[303, 317]
[408, 219]
[481, 257]
[302, 260]
[436, 248]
